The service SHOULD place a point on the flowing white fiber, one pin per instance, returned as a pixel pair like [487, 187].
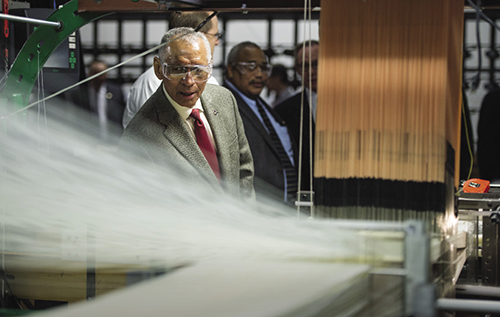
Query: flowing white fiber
[138, 212]
[67, 196]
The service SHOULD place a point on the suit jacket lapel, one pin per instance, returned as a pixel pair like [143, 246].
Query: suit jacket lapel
[220, 129]
[247, 112]
[176, 131]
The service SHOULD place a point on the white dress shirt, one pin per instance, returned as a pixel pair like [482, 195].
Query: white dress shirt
[185, 113]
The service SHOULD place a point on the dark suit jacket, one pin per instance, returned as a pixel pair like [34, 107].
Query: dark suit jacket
[289, 110]
[488, 146]
[114, 95]
[160, 135]
[269, 178]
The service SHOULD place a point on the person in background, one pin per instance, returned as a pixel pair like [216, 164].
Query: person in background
[488, 145]
[247, 71]
[305, 54]
[147, 83]
[278, 85]
[189, 126]
[101, 97]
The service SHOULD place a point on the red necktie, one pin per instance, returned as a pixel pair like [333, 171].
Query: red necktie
[204, 142]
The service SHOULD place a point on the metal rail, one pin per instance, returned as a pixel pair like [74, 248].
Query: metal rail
[16, 18]
[468, 305]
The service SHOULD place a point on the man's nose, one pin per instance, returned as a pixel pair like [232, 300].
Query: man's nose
[188, 79]
[259, 72]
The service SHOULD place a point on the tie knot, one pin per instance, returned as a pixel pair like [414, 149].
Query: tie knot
[195, 113]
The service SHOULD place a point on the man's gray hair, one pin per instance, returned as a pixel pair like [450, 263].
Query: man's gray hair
[186, 35]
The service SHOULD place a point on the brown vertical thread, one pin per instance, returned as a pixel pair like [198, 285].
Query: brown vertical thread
[388, 102]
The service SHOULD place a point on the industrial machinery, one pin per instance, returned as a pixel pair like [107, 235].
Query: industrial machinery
[214, 263]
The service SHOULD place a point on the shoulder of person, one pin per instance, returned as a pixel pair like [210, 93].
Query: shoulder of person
[113, 86]
[146, 118]
[287, 102]
[216, 89]
[146, 78]
[493, 95]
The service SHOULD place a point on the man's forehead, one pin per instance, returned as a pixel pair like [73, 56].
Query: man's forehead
[251, 54]
[182, 50]
[313, 48]
[313, 52]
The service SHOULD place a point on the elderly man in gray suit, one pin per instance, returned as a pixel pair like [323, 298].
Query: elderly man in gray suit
[190, 126]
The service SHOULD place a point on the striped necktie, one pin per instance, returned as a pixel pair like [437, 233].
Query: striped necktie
[291, 175]
[204, 142]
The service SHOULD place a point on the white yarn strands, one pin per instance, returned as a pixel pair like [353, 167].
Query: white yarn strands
[136, 211]
[82, 201]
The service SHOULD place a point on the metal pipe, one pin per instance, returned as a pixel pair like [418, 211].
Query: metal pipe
[477, 290]
[471, 212]
[468, 305]
[16, 18]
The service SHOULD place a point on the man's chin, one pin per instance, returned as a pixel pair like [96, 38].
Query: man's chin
[187, 102]
[255, 93]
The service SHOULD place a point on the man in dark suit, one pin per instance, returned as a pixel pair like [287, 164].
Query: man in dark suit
[104, 99]
[488, 146]
[189, 126]
[100, 96]
[247, 71]
[306, 66]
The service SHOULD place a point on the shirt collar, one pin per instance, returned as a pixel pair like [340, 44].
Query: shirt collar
[250, 102]
[183, 112]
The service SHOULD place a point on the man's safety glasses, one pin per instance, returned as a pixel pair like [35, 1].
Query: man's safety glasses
[199, 73]
[250, 67]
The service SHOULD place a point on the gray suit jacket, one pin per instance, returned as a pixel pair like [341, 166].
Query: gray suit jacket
[158, 133]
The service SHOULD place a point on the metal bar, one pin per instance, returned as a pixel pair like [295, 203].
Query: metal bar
[477, 290]
[379, 225]
[475, 212]
[423, 303]
[145, 65]
[491, 254]
[417, 259]
[468, 305]
[91, 265]
[120, 45]
[391, 272]
[180, 5]
[16, 18]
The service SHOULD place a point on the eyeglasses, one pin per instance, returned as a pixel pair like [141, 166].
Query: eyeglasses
[250, 67]
[199, 73]
[218, 35]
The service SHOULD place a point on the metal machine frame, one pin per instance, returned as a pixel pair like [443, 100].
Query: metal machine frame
[420, 294]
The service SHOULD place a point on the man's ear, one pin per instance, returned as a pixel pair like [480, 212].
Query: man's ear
[230, 71]
[158, 67]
